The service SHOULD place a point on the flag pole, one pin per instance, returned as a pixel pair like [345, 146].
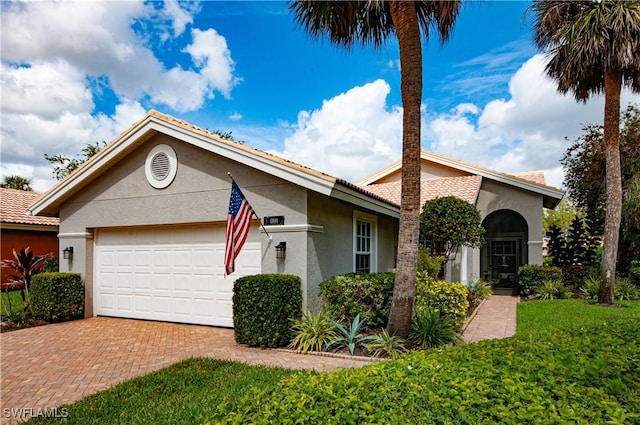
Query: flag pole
[253, 211]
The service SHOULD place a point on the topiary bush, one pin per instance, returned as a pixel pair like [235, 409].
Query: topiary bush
[366, 294]
[448, 298]
[57, 296]
[264, 306]
[531, 275]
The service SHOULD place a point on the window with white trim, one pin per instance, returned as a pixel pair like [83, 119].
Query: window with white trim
[365, 242]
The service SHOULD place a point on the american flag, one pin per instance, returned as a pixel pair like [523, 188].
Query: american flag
[238, 225]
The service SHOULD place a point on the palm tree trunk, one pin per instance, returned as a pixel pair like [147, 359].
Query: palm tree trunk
[405, 20]
[613, 214]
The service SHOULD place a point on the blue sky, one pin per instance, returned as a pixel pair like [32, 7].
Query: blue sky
[74, 73]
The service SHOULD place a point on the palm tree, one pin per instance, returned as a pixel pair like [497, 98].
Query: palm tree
[594, 47]
[16, 182]
[372, 22]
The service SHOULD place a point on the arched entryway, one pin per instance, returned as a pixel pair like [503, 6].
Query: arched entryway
[505, 250]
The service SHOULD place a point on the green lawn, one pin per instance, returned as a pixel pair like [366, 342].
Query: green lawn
[184, 393]
[15, 300]
[570, 362]
[541, 315]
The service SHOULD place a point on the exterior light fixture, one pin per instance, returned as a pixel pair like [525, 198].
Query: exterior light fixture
[67, 253]
[281, 249]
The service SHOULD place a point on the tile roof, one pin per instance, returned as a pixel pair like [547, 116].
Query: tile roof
[14, 205]
[532, 176]
[465, 188]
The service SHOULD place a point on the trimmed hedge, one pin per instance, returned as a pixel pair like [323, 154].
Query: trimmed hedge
[57, 296]
[366, 294]
[263, 307]
[448, 298]
[585, 374]
[634, 274]
[530, 276]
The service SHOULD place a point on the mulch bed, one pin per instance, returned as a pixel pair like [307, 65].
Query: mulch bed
[29, 323]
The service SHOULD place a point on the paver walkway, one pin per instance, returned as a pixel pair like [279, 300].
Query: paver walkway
[495, 318]
[46, 366]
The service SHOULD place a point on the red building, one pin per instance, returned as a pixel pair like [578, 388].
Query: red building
[19, 230]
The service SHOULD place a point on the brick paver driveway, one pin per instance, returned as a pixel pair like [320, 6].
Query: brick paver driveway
[50, 365]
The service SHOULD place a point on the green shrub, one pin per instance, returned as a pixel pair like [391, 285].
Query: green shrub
[366, 294]
[590, 288]
[263, 307]
[383, 344]
[574, 275]
[551, 290]
[478, 291]
[427, 263]
[447, 298]
[312, 332]
[584, 374]
[531, 275]
[57, 296]
[634, 273]
[625, 290]
[51, 264]
[430, 330]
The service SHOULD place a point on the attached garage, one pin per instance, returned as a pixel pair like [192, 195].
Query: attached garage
[169, 273]
[145, 222]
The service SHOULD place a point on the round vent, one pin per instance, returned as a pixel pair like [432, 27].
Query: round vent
[161, 166]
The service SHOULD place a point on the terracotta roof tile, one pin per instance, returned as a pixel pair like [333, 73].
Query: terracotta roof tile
[14, 205]
[533, 176]
[465, 188]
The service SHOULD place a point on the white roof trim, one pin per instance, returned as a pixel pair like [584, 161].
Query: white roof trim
[150, 123]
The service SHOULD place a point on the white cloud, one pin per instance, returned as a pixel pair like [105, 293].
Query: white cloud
[525, 132]
[353, 133]
[54, 53]
[26, 138]
[235, 116]
[44, 89]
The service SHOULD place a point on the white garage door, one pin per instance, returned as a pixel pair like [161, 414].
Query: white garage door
[173, 274]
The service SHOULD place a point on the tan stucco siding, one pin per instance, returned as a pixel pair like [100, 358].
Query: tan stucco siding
[200, 193]
[494, 196]
[330, 252]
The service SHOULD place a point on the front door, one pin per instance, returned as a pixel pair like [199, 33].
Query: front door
[504, 259]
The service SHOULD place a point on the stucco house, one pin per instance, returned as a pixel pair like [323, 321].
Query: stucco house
[511, 207]
[20, 230]
[146, 220]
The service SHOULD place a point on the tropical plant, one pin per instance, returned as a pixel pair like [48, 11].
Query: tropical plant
[590, 288]
[593, 48]
[312, 332]
[25, 264]
[429, 329]
[478, 291]
[551, 290]
[351, 338]
[625, 290]
[63, 165]
[347, 23]
[383, 344]
[16, 182]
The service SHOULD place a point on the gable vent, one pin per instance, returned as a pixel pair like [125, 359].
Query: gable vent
[161, 166]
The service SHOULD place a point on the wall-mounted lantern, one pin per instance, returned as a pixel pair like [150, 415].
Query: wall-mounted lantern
[67, 253]
[281, 249]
